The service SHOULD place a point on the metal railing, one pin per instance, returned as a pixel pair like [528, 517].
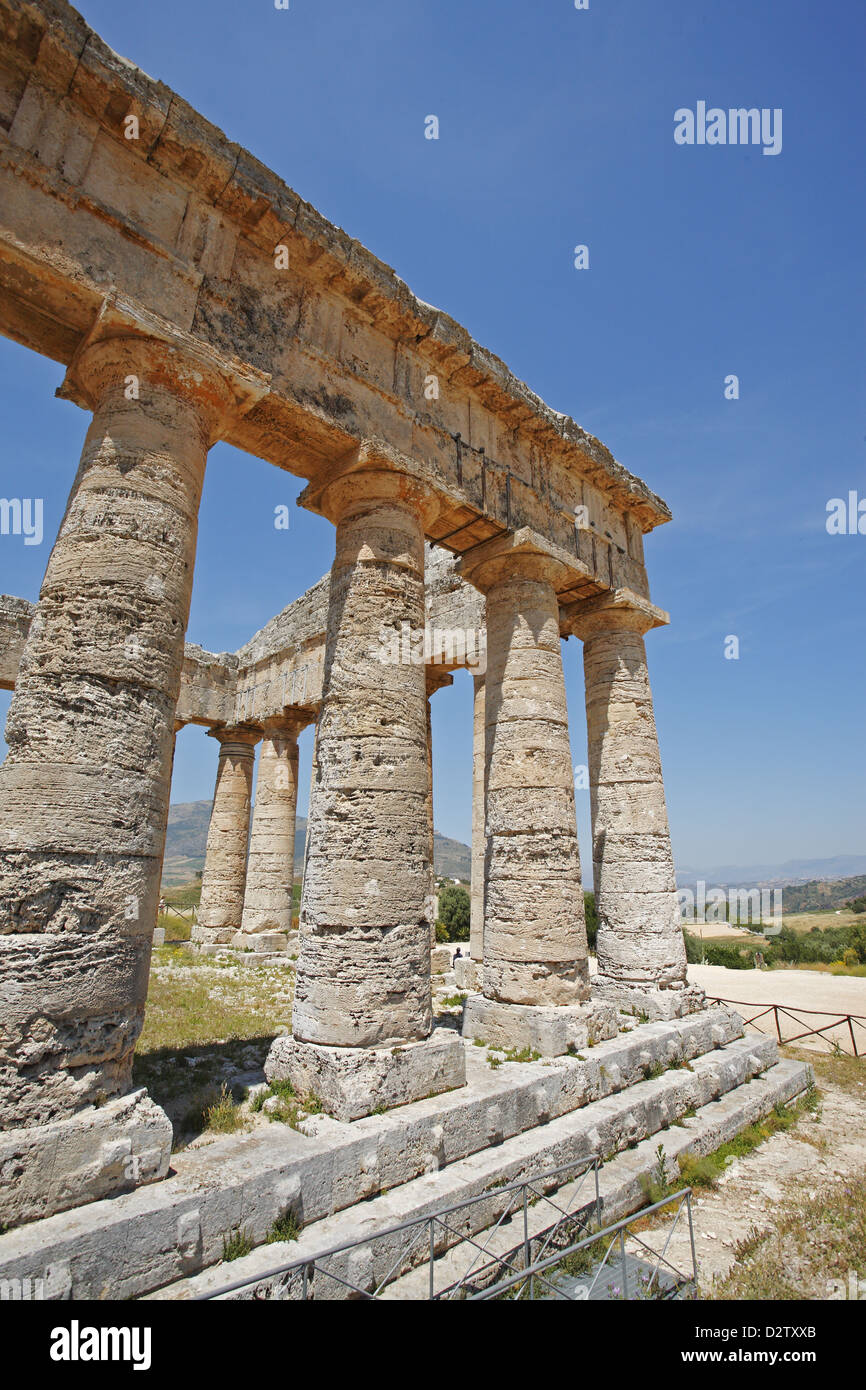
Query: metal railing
[407, 1246]
[641, 1280]
[838, 1020]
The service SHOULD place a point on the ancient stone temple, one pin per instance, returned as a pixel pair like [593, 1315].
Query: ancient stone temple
[192, 297]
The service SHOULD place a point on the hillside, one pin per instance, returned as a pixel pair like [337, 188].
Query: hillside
[187, 835]
[817, 894]
[793, 873]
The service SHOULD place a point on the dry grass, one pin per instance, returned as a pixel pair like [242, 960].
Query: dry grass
[208, 1026]
[808, 1253]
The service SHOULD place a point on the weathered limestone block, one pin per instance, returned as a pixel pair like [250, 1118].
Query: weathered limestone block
[640, 944]
[353, 1081]
[534, 934]
[550, 1031]
[84, 789]
[467, 973]
[440, 960]
[225, 866]
[271, 864]
[95, 1153]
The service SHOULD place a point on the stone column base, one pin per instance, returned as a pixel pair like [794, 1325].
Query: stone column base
[93, 1154]
[212, 936]
[440, 960]
[467, 973]
[354, 1081]
[633, 998]
[549, 1029]
[264, 942]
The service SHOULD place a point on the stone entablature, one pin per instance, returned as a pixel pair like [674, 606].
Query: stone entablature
[184, 225]
[281, 666]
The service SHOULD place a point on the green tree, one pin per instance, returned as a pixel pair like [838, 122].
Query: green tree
[454, 911]
[591, 919]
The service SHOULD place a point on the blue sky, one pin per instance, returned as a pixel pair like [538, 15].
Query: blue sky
[556, 129]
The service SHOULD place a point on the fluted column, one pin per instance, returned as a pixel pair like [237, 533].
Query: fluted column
[223, 883]
[84, 790]
[435, 680]
[270, 867]
[535, 969]
[363, 978]
[534, 929]
[476, 928]
[641, 956]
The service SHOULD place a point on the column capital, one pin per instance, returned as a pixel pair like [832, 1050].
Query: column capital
[236, 741]
[286, 725]
[366, 477]
[126, 341]
[619, 610]
[436, 679]
[522, 554]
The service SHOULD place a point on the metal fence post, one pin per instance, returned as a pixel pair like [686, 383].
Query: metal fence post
[597, 1194]
[432, 1255]
[692, 1240]
[624, 1267]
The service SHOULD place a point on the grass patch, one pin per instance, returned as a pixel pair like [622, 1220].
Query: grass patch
[815, 1242]
[286, 1227]
[704, 1171]
[200, 1003]
[223, 1116]
[176, 928]
[289, 1108]
[237, 1244]
[453, 1001]
[840, 1069]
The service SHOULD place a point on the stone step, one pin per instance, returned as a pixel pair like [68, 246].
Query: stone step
[248, 1180]
[618, 1122]
[622, 1185]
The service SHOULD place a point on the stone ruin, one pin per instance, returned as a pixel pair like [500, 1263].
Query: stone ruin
[193, 297]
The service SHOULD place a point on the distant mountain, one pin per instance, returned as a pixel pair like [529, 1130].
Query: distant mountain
[451, 858]
[186, 838]
[793, 871]
[187, 835]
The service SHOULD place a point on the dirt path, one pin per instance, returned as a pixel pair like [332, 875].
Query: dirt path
[757, 1191]
[804, 989]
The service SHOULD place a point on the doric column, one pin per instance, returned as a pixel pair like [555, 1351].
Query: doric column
[84, 790]
[270, 869]
[476, 929]
[225, 865]
[641, 956]
[435, 680]
[535, 953]
[362, 1008]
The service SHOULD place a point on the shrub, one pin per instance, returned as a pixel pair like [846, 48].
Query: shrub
[455, 908]
[223, 1117]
